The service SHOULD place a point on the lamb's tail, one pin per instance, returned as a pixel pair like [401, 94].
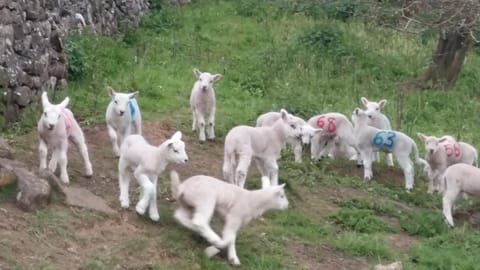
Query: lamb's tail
[229, 164]
[475, 159]
[175, 185]
[418, 160]
[443, 183]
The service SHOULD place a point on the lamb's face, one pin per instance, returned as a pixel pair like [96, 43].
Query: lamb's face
[432, 145]
[307, 132]
[290, 125]
[121, 101]
[360, 116]
[372, 108]
[280, 199]
[51, 116]
[176, 149]
[206, 79]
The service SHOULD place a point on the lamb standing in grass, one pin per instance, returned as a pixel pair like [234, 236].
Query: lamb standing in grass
[458, 178]
[202, 104]
[200, 196]
[263, 144]
[122, 115]
[443, 152]
[337, 132]
[377, 119]
[371, 139]
[55, 128]
[147, 162]
[306, 131]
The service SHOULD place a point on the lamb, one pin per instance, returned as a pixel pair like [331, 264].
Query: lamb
[200, 196]
[56, 127]
[147, 162]
[443, 152]
[263, 144]
[337, 133]
[458, 178]
[377, 119]
[371, 139]
[122, 115]
[306, 131]
[202, 103]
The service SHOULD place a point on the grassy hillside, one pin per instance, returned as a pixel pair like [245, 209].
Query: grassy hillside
[274, 55]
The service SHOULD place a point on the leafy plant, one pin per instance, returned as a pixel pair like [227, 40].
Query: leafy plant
[360, 220]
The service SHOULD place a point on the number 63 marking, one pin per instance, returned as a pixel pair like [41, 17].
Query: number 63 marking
[384, 139]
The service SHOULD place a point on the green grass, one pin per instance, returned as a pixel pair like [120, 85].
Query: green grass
[280, 54]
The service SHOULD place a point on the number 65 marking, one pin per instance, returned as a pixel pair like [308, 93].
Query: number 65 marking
[379, 140]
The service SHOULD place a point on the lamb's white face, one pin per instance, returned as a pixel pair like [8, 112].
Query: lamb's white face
[176, 149]
[291, 126]
[206, 79]
[121, 101]
[360, 115]
[281, 201]
[372, 108]
[51, 113]
[432, 143]
[307, 132]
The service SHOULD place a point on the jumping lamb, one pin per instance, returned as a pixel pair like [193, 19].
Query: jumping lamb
[147, 162]
[458, 178]
[443, 152]
[263, 144]
[56, 127]
[337, 133]
[377, 119]
[306, 131]
[200, 196]
[122, 115]
[371, 139]
[202, 103]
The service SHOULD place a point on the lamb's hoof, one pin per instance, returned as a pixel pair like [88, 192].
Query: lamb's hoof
[65, 180]
[211, 251]
[202, 141]
[211, 139]
[234, 261]
[140, 209]
[359, 165]
[125, 204]
[155, 217]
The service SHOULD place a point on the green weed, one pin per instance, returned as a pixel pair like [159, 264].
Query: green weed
[425, 223]
[361, 244]
[360, 220]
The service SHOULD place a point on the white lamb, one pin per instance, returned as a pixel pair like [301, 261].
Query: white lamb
[458, 178]
[200, 196]
[377, 119]
[371, 139]
[55, 128]
[122, 115]
[263, 144]
[306, 131]
[337, 135]
[202, 103]
[147, 162]
[443, 152]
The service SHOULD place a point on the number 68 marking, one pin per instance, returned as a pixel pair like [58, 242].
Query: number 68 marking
[379, 139]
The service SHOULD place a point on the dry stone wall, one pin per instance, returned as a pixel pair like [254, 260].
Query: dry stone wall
[32, 56]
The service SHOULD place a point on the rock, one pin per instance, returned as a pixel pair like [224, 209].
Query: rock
[22, 96]
[392, 266]
[5, 150]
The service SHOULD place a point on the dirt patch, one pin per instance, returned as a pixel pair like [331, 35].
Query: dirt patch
[400, 242]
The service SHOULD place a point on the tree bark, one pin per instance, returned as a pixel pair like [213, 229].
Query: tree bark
[447, 61]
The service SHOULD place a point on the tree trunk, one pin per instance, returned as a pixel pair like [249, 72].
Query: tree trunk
[447, 61]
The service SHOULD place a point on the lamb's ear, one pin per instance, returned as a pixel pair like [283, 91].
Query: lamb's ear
[442, 139]
[197, 72]
[45, 102]
[318, 130]
[356, 111]
[281, 186]
[421, 136]
[364, 101]
[64, 103]
[217, 77]
[284, 114]
[382, 103]
[133, 95]
[177, 136]
[110, 91]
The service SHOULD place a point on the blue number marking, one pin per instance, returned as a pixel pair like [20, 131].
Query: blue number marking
[384, 139]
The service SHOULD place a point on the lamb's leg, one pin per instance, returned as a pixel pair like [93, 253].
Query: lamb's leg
[297, 150]
[152, 210]
[123, 182]
[184, 216]
[201, 219]
[62, 160]
[448, 200]
[407, 165]
[201, 124]
[79, 141]
[367, 164]
[390, 159]
[232, 225]
[147, 192]
[211, 126]
[272, 167]
[316, 145]
[137, 123]
[194, 121]
[244, 160]
[52, 164]
[114, 140]
[228, 167]
[42, 154]
[264, 172]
